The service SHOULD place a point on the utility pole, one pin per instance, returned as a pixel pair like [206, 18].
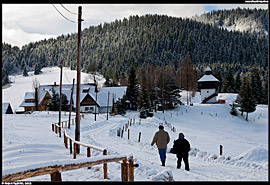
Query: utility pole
[77, 129]
[60, 97]
[71, 99]
[96, 91]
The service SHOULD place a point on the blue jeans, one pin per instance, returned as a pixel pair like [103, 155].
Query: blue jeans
[162, 154]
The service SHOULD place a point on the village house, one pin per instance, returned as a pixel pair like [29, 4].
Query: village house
[88, 97]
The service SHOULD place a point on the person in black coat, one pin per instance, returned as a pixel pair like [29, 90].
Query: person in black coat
[181, 147]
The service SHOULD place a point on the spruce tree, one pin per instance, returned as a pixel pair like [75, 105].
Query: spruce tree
[256, 85]
[54, 105]
[228, 83]
[246, 100]
[25, 71]
[132, 89]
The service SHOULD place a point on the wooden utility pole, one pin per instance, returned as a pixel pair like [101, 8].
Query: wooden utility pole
[70, 102]
[60, 97]
[108, 105]
[96, 91]
[77, 129]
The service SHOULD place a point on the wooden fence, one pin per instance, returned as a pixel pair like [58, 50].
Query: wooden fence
[73, 145]
[127, 165]
[127, 169]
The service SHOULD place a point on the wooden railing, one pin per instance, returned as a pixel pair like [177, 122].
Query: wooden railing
[57, 129]
[127, 168]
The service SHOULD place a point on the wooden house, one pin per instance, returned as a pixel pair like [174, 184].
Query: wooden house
[87, 97]
[29, 101]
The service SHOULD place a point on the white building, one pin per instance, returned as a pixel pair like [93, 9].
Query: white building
[208, 85]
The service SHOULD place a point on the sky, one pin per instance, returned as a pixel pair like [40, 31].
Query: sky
[25, 23]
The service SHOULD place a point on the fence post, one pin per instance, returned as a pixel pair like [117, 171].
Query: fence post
[88, 154]
[220, 148]
[105, 165]
[59, 131]
[124, 171]
[70, 145]
[56, 129]
[139, 137]
[52, 127]
[56, 176]
[128, 134]
[122, 132]
[74, 150]
[131, 170]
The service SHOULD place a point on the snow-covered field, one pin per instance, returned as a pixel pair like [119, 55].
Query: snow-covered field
[29, 140]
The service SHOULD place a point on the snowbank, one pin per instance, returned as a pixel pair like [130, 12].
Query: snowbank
[255, 154]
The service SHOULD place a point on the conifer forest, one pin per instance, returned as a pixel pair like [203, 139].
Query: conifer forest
[161, 49]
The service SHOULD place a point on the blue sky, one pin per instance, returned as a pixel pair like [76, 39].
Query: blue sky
[25, 23]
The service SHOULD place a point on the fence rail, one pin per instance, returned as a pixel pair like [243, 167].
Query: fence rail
[127, 169]
[73, 146]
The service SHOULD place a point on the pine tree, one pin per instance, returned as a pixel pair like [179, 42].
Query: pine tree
[25, 71]
[37, 69]
[144, 101]
[237, 82]
[64, 105]
[54, 105]
[256, 85]
[246, 99]
[132, 89]
[121, 105]
[228, 83]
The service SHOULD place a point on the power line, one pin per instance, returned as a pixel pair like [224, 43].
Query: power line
[63, 15]
[68, 10]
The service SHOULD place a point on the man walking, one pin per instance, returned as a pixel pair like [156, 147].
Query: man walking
[181, 147]
[161, 139]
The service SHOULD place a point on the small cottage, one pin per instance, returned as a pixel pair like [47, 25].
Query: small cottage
[29, 101]
[208, 86]
[88, 97]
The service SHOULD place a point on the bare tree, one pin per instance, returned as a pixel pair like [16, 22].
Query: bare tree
[187, 76]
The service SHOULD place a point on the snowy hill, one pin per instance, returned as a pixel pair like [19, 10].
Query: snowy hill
[29, 140]
[249, 20]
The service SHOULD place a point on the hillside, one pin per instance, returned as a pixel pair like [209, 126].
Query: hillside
[253, 21]
[29, 141]
[111, 48]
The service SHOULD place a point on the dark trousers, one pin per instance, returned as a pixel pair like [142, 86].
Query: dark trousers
[185, 159]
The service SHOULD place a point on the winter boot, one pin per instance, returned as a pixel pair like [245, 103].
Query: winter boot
[163, 163]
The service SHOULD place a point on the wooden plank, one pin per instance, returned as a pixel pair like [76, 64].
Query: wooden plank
[56, 168]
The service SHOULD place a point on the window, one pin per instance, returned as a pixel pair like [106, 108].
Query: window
[86, 108]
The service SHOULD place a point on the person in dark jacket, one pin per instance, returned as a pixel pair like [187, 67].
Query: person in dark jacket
[161, 138]
[181, 147]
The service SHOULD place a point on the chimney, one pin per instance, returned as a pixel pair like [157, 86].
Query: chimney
[54, 84]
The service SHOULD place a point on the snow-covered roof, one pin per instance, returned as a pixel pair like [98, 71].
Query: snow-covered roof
[208, 78]
[5, 107]
[29, 95]
[208, 69]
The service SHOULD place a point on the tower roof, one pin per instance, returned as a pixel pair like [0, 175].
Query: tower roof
[208, 78]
